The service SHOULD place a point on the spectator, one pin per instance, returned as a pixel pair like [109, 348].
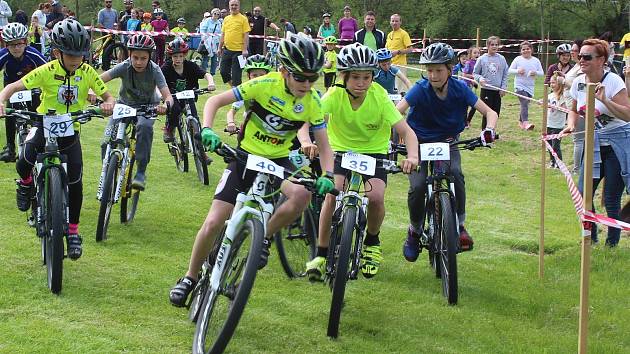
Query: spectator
[308, 31]
[369, 35]
[211, 29]
[159, 25]
[65, 11]
[55, 15]
[473, 53]
[567, 81]
[526, 67]
[347, 26]
[258, 24]
[556, 119]
[125, 14]
[180, 29]
[133, 23]
[36, 34]
[5, 13]
[146, 26]
[234, 42]
[399, 43]
[625, 44]
[41, 13]
[21, 17]
[492, 69]
[611, 152]
[564, 62]
[156, 5]
[107, 16]
[608, 36]
[326, 29]
[330, 62]
[288, 26]
[224, 12]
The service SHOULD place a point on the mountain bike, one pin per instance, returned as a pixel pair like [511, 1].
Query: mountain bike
[118, 165]
[27, 100]
[297, 242]
[108, 53]
[184, 137]
[348, 227]
[50, 202]
[440, 234]
[228, 275]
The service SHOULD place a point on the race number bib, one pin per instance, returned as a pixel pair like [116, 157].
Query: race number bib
[299, 160]
[395, 97]
[261, 164]
[363, 164]
[435, 152]
[58, 126]
[21, 96]
[123, 111]
[185, 95]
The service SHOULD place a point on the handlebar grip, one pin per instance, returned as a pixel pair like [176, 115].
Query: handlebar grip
[334, 192]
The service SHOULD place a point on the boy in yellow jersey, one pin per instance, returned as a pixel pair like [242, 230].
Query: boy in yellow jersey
[64, 85]
[280, 104]
[330, 64]
[180, 29]
[361, 116]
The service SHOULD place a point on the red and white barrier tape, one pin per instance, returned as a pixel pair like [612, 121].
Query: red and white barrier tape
[576, 197]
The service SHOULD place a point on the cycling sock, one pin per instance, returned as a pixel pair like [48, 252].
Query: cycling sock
[371, 240]
[26, 181]
[322, 251]
[73, 229]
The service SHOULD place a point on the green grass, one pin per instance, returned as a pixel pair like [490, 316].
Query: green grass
[114, 298]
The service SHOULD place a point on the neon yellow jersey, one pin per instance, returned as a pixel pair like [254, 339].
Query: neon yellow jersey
[622, 44]
[331, 56]
[57, 89]
[365, 130]
[181, 30]
[274, 115]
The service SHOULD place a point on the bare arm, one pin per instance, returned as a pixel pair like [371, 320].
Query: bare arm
[211, 85]
[245, 43]
[213, 104]
[411, 142]
[9, 90]
[619, 105]
[402, 106]
[572, 118]
[404, 79]
[325, 152]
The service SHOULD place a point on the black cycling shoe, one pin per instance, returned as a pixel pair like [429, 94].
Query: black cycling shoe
[264, 253]
[8, 155]
[24, 194]
[74, 246]
[179, 293]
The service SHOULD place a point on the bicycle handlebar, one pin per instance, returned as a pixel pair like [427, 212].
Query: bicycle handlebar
[389, 166]
[30, 117]
[469, 144]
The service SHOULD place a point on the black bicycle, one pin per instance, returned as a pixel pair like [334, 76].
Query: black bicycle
[440, 234]
[184, 137]
[50, 203]
[348, 227]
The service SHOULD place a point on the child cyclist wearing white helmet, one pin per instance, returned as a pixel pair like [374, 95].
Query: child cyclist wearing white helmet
[360, 117]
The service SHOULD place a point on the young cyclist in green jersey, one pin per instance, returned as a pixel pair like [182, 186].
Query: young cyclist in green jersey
[257, 65]
[64, 84]
[140, 77]
[281, 103]
[361, 116]
[330, 64]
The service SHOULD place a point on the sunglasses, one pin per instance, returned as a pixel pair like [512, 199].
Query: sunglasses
[304, 78]
[587, 57]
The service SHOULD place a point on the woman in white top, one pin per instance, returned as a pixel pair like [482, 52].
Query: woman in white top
[526, 68]
[612, 130]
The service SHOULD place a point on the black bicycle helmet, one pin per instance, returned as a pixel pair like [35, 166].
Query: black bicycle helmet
[355, 57]
[141, 41]
[437, 53]
[14, 31]
[300, 54]
[70, 37]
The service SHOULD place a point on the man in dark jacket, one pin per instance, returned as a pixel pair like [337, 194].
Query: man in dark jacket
[370, 35]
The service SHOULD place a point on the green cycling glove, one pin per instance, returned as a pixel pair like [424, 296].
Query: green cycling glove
[324, 184]
[210, 139]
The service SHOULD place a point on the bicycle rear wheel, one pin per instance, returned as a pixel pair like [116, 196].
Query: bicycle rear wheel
[179, 150]
[340, 273]
[296, 243]
[130, 196]
[107, 198]
[201, 163]
[222, 308]
[447, 248]
[55, 206]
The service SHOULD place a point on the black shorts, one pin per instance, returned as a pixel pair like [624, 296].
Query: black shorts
[379, 173]
[236, 179]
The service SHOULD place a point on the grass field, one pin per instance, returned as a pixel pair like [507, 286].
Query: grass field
[114, 298]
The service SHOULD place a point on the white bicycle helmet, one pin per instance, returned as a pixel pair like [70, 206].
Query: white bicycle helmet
[14, 31]
[564, 48]
[356, 56]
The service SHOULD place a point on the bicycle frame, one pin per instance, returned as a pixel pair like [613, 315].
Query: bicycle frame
[439, 180]
[120, 147]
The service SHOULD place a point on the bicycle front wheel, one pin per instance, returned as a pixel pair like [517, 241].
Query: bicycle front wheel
[107, 198]
[222, 308]
[55, 208]
[297, 243]
[340, 273]
[179, 150]
[201, 162]
[447, 248]
[130, 196]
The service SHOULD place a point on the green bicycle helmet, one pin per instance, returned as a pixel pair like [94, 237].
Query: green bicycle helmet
[330, 40]
[256, 62]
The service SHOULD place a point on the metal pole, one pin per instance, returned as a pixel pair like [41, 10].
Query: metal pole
[585, 264]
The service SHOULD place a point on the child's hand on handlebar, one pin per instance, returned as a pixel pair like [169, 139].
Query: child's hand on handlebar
[107, 108]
